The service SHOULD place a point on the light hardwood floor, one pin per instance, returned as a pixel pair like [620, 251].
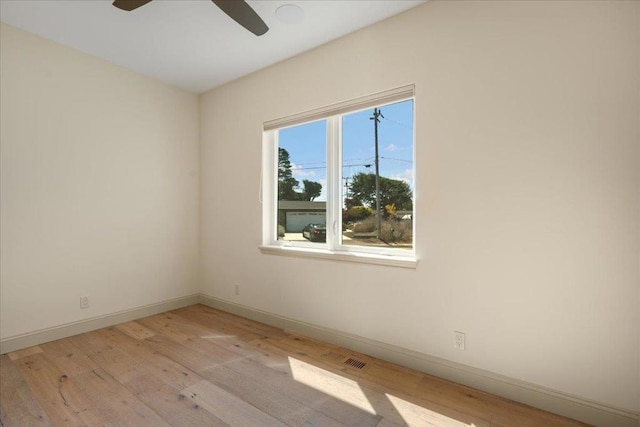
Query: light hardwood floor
[198, 366]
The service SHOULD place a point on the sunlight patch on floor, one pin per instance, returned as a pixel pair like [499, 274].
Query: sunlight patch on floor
[393, 409]
[416, 415]
[331, 384]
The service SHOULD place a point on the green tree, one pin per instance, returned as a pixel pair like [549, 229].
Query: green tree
[311, 190]
[286, 182]
[356, 213]
[392, 191]
[351, 202]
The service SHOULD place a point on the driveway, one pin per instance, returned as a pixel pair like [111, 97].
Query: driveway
[297, 237]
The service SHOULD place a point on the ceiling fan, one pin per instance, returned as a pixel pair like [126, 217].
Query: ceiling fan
[238, 10]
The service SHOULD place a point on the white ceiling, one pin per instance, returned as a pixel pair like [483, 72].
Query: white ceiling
[191, 43]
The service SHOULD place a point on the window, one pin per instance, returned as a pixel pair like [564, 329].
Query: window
[338, 182]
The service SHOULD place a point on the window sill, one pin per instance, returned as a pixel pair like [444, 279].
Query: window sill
[367, 258]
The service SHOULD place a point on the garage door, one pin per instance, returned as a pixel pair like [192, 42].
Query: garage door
[296, 221]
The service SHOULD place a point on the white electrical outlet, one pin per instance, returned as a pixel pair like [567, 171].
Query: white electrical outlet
[84, 302]
[237, 289]
[459, 340]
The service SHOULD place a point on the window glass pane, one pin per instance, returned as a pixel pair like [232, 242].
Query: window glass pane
[302, 182]
[388, 159]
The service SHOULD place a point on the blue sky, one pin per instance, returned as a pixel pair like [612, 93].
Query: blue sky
[306, 145]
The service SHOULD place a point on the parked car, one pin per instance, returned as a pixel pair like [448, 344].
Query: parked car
[315, 232]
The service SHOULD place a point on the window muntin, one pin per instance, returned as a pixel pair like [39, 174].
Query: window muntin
[343, 125]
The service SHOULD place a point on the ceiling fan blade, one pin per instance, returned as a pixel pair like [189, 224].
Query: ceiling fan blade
[129, 5]
[243, 14]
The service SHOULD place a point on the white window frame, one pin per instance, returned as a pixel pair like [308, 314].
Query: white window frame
[333, 249]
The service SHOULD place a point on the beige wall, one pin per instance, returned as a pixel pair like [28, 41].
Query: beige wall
[528, 191]
[100, 187]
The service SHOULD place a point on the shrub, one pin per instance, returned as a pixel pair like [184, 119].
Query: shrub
[356, 213]
[391, 230]
[396, 231]
[366, 226]
[281, 230]
[390, 210]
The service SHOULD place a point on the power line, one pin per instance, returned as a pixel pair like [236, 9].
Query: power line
[309, 168]
[366, 165]
[399, 160]
[355, 159]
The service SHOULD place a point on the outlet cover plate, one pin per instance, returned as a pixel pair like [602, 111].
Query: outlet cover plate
[459, 342]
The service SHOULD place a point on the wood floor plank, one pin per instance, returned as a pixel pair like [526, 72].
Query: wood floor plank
[180, 328]
[388, 423]
[268, 399]
[202, 356]
[500, 411]
[194, 354]
[59, 397]
[373, 387]
[387, 404]
[279, 381]
[211, 318]
[75, 363]
[111, 359]
[18, 405]
[229, 408]
[304, 346]
[25, 352]
[116, 404]
[215, 316]
[198, 366]
[436, 390]
[419, 413]
[174, 374]
[232, 360]
[135, 330]
[170, 404]
[270, 357]
[285, 384]
[331, 359]
[379, 372]
[119, 353]
[68, 357]
[194, 336]
[160, 324]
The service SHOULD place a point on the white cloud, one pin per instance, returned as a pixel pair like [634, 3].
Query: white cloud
[406, 176]
[391, 148]
[299, 172]
[323, 193]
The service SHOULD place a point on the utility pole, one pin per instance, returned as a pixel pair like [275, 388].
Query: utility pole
[376, 119]
[346, 186]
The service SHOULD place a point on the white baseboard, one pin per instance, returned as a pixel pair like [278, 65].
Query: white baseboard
[14, 343]
[554, 401]
[550, 400]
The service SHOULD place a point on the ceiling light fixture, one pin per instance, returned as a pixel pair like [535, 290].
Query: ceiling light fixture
[290, 14]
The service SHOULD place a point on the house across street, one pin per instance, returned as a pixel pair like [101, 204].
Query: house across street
[295, 215]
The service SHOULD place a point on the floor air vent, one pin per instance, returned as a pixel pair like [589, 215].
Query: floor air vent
[355, 363]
